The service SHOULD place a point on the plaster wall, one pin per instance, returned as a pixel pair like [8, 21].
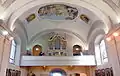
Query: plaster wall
[113, 50]
[45, 71]
[71, 41]
[5, 50]
[5, 44]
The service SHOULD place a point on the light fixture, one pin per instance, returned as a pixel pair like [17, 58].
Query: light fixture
[115, 34]
[108, 39]
[11, 38]
[36, 48]
[4, 33]
[76, 48]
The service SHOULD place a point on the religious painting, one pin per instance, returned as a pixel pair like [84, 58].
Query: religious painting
[84, 18]
[104, 72]
[30, 17]
[12, 72]
[8, 73]
[111, 71]
[98, 72]
[58, 12]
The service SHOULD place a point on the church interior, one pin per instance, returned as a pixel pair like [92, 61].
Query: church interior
[59, 37]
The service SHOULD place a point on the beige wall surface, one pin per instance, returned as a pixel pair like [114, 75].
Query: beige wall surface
[5, 49]
[45, 70]
[113, 50]
[5, 44]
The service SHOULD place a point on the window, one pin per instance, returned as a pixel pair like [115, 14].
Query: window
[12, 52]
[97, 55]
[101, 53]
[56, 74]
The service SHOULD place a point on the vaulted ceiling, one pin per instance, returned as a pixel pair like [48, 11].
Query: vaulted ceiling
[100, 14]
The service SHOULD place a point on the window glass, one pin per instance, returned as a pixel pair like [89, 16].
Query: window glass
[12, 52]
[56, 74]
[103, 51]
[97, 55]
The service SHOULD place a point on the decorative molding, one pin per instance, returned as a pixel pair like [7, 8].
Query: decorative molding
[35, 37]
[113, 6]
[55, 61]
[7, 3]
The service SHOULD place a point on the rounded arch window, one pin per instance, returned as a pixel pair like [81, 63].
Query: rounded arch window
[77, 49]
[100, 50]
[37, 47]
[37, 50]
[57, 72]
[13, 51]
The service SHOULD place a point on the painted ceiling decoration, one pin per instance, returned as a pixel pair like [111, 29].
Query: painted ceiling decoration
[30, 17]
[57, 12]
[84, 18]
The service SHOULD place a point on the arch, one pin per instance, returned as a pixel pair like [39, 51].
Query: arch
[35, 37]
[76, 50]
[97, 25]
[58, 70]
[94, 34]
[36, 50]
[28, 5]
[51, 11]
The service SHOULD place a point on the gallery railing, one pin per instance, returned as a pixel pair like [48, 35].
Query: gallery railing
[85, 60]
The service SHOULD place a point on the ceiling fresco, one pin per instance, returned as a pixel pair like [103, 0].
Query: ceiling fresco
[84, 18]
[57, 12]
[30, 17]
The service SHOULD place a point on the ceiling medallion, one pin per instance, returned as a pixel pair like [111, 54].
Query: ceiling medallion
[57, 12]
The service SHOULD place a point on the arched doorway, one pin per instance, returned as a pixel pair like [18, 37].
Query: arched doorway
[36, 50]
[57, 72]
[77, 49]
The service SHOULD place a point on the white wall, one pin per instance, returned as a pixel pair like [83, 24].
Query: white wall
[71, 41]
[113, 51]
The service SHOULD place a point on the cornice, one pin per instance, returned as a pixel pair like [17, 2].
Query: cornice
[113, 6]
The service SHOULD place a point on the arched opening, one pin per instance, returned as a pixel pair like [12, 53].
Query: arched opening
[77, 74]
[100, 50]
[37, 49]
[77, 49]
[13, 51]
[57, 72]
